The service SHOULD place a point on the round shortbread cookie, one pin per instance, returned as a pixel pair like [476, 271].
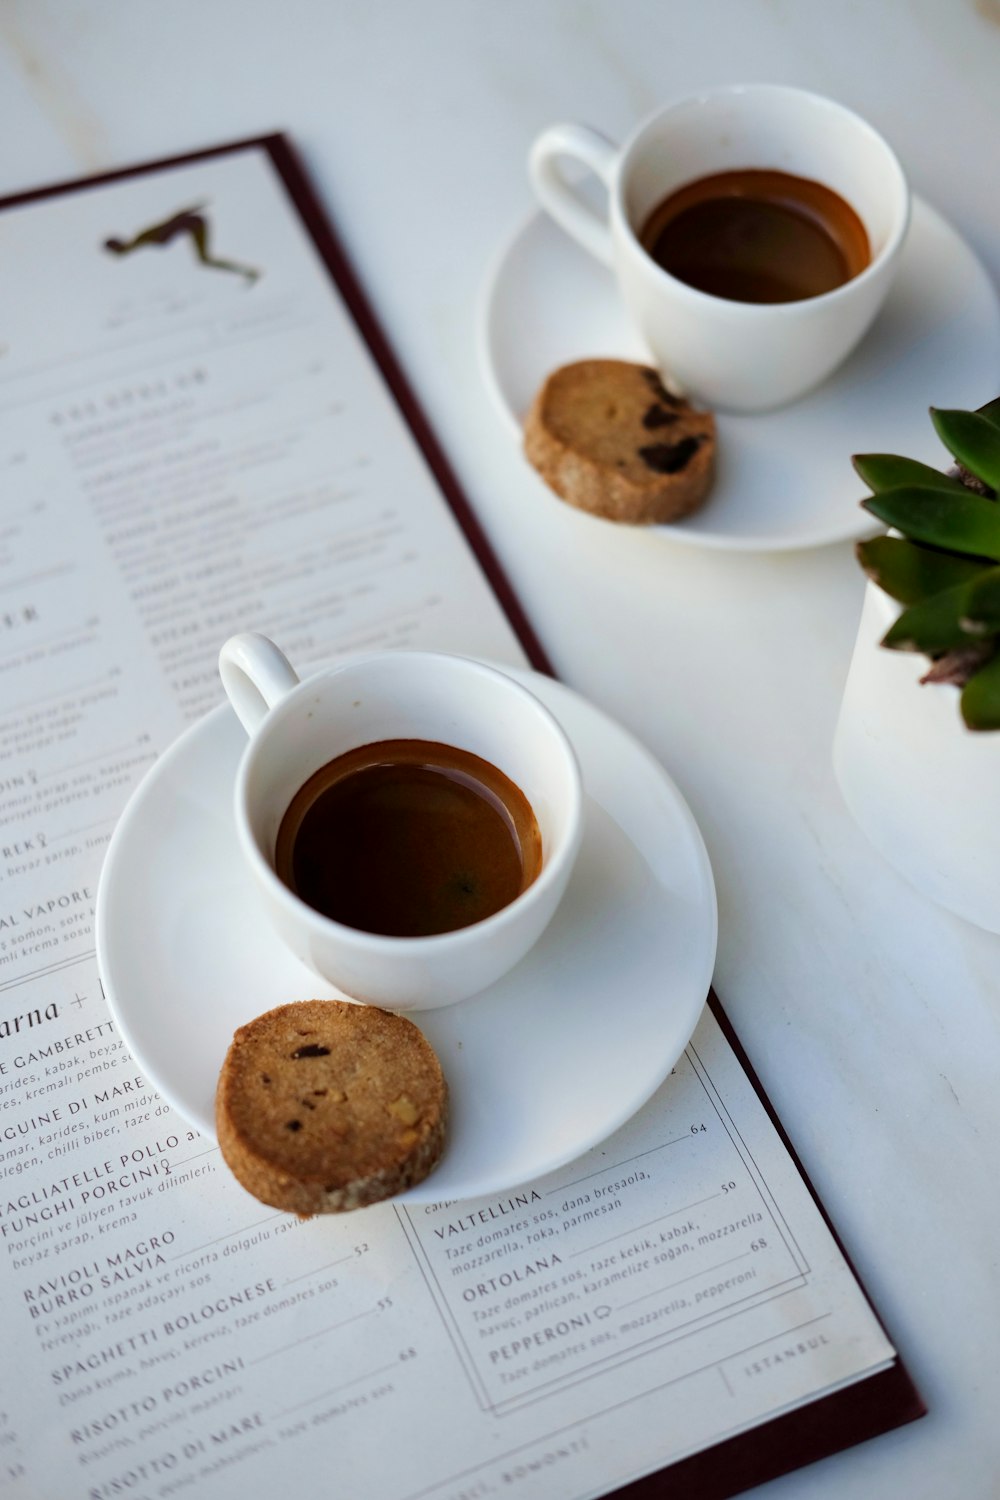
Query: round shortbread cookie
[324, 1106]
[608, 437]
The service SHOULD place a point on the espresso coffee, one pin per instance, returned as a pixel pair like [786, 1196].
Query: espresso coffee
[408, 838]
[757, 236]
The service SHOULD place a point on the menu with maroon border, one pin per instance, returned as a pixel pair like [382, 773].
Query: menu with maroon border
[203, 429]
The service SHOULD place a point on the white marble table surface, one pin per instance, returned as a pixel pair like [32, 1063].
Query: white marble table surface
[872, 1017]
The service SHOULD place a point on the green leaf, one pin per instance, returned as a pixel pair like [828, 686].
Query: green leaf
[974, 439]
[982, 604]
[887, 471]
[960, 522]
[981, 697]
[991, 411]
[934, 625]
[908, 572]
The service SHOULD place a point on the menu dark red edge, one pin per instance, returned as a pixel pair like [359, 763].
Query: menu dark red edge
[873, 1405]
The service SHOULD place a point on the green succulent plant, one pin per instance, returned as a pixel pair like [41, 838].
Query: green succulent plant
[942, 560]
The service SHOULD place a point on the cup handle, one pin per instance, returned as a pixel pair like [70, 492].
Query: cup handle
[255, 675]
[559, 197]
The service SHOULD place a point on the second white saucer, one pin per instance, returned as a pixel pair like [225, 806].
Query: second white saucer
[546, 1063]
[784, 478]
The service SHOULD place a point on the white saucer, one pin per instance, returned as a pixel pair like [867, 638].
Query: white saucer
[785, 478]
[542, 1066]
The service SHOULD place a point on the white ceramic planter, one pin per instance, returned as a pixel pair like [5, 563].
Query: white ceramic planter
[924, 789]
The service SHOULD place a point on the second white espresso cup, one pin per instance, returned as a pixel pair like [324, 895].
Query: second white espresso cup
[296, 727]
[740, 356]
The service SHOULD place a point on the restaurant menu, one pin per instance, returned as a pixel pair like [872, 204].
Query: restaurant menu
[199, 434]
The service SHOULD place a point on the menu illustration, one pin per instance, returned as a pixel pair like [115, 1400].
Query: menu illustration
[196, 438]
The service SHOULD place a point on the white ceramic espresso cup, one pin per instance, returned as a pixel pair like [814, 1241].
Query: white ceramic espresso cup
[297, 727]
[741, 356]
